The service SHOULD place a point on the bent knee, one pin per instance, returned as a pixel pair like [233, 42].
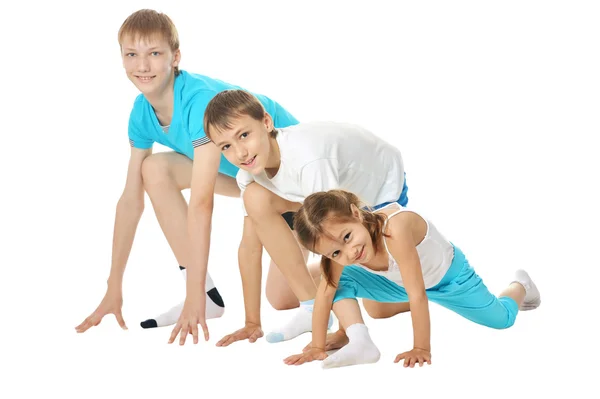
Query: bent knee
[258, 200]
[155, 169]
[378, 310]
[279, 301]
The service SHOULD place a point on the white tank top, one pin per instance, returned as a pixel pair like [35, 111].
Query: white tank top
[435, 253]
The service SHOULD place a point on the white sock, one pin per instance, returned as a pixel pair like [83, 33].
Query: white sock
[359, 350]
[300, 323]
[532, 295]
[214, 306]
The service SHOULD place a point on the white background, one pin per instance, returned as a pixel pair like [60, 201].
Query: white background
[494, 106]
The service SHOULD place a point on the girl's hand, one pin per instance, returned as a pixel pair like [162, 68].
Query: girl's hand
[417, 355]
[308, 356]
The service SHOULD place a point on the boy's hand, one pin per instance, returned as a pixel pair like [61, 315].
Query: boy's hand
[417, 355]
[192, 314]
[308, 356]
[334, 341]
[250, 331]
[111, 303]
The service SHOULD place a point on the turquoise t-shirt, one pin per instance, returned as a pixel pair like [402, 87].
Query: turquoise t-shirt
[192, 94]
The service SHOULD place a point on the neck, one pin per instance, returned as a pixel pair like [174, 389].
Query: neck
[162, 102]
[274, 160]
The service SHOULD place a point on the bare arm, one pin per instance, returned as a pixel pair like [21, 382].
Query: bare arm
[200, 210]
[128, 214]
[129, 211]
[402, 245]
[322, 307]
[250, 262]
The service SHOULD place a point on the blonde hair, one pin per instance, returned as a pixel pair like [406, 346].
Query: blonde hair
[333, 205]
[147, 23]
[231, 104]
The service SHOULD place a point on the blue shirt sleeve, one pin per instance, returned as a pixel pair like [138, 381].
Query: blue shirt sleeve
[137, 138]
[195, 117]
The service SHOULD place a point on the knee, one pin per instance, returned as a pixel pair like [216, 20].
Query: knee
[375, 311]
[258, 201]
[155, 170]
[279, 301]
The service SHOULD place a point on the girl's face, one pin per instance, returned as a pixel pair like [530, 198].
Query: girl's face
[149, 63]
[246, 144]
[346, 243]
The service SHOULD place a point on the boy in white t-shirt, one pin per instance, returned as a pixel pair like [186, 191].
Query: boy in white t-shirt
[279, 168]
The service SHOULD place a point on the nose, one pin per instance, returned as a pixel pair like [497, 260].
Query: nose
[241, 152]
[143, 65]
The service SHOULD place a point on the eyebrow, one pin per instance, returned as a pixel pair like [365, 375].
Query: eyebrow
[150, 49]
[235, 135]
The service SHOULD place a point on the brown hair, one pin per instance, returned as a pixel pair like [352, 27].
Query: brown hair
[147, 23]
[333, 205]
[231, 104]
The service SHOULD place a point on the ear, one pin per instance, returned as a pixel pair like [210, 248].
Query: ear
[268, 121]
[176, 58]
[356, 212]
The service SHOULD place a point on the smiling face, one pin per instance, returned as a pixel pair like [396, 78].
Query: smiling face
[247, 143]
[346, 241]
[149, 62]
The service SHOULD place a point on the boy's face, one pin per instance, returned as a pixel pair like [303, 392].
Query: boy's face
[149, 63]
[352, 243]
[246, 143]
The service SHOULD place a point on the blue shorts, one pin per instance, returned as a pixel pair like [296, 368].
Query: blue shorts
[460, 290]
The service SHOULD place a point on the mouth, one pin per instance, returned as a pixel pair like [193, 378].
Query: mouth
[361, 255]
[250, 163]
[145, 79]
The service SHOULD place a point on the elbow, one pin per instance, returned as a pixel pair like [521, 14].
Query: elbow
[418, 299]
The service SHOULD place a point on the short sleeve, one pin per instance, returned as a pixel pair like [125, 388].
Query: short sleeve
[320, 175]
[243, 179]
[137, 138]
[195, 116]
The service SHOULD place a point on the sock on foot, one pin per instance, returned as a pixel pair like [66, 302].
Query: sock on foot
[532, 295]
[214, 306]
[359, 350]
[300, 323]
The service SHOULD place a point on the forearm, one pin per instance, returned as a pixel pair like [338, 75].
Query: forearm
[127, 217]
[320, 319]
[199, 227]
[419, 309]
[250, 262]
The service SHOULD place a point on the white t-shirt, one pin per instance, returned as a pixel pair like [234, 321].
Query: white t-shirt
[321, 156]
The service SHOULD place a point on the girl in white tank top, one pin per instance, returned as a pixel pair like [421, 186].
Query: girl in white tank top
[392, 256]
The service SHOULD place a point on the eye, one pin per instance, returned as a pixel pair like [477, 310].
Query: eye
[335, 253]
[244, 135]
[155, 53]
[347, 237]
[129, 54]
[225, 147]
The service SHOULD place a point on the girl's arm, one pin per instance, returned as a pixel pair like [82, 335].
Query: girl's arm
[406, 233]
[320, 319]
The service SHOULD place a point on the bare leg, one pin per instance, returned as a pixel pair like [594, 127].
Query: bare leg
[265, 209]
[278, 292]
[165, 176]
[384, 310]
[515, 291]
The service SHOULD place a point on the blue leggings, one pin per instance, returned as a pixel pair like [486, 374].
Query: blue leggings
[461, 290]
